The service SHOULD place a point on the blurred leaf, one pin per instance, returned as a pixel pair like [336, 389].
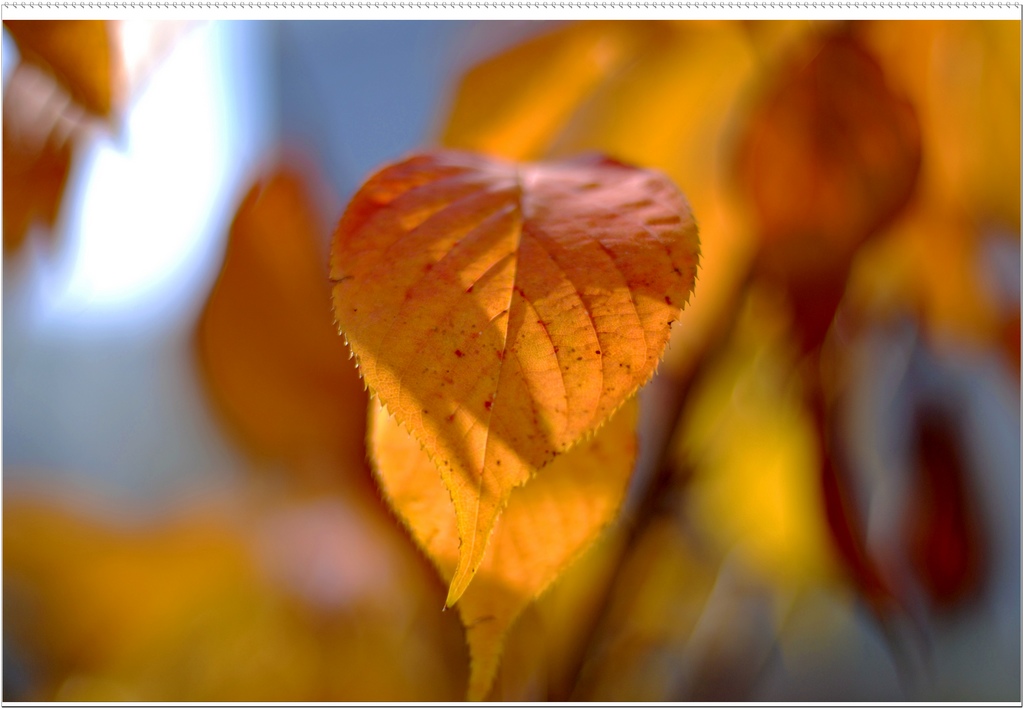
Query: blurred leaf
[79, 53]
[543, 293]
[830, 154]
[37, 146]
[964, 78]
[270, 355]
[236, 600]
[751, 448]
[548, 523]
[665, 109]
[514, 105]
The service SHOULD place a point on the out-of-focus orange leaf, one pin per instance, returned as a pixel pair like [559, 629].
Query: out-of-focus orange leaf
[86, 592]
[268, 349]
[665, 109]
[501, 312]
[241, 599]
[830, 154]
[515, 104]
[79, 53]
[37, 143]
[964, 78]
[547, 523]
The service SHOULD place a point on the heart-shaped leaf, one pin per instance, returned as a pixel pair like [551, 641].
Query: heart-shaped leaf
[502, 312]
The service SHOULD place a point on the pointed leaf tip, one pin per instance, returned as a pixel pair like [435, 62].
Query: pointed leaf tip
[548, 523]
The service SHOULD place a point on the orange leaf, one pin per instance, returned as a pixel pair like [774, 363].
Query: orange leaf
[964, 78]
[514, 105]
[627, 89]
[830, 155]
[504, 311]
[267, 347]
[79, 53]
[548, 523]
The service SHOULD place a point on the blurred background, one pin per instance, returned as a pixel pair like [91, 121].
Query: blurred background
[827, 504]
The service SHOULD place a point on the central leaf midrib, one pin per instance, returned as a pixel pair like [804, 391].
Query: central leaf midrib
[501, 362]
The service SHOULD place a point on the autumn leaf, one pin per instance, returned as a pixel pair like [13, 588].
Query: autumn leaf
[515, 104]
[830, 154]
[964, 80]
[79, 53]
[548, 522]
[749, 443]
[501, 312]
[267, 348]
[640, 91]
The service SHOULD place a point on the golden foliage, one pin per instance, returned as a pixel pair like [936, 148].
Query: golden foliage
[543, 294]
[515, 104]
[237, 599]
[749, 443]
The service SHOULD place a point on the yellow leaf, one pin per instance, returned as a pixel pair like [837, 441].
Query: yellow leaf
[268, 350]
[513, 105]
[750, 441]
[964, 79]
[501, 312]
[79, 53]
[674, 107]
[547, 523]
